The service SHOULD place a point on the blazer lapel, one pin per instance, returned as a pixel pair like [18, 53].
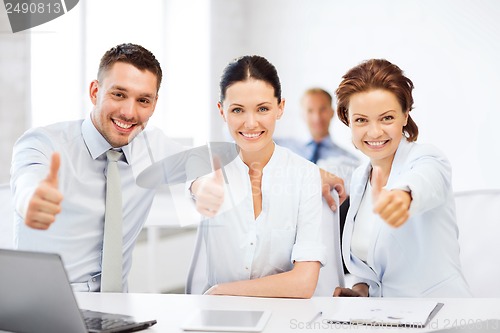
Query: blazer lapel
[399, 158]
[355, 265]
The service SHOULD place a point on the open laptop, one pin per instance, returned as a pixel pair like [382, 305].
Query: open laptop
[36, 296]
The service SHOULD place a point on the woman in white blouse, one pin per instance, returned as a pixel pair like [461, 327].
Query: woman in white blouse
[263, 236]
[400, 236]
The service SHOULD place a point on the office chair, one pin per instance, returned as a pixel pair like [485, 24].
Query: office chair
[478, 218]
[6, 217]
[330, 276]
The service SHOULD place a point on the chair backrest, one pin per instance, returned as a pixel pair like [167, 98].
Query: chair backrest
[478, 218]
[197, 279]
[6, 217]
[330, 276]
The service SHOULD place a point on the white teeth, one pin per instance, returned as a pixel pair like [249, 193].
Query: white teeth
[122, 125]
[251, 135]
[375, 143]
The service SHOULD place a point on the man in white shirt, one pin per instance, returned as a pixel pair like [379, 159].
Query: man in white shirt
[58, 173]
[320, 149]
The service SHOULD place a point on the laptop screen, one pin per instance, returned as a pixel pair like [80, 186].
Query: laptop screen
[36, 296]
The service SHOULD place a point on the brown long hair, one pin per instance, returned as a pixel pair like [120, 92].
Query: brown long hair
[377, 74]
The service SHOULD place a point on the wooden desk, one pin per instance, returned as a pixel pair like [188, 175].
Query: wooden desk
[288, 315]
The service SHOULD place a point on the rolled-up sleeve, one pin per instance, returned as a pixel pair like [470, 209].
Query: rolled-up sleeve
[309, 245]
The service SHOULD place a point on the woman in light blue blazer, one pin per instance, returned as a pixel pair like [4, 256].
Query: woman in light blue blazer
[400, 236]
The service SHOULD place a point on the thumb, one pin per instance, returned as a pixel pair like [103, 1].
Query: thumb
[55, 163]
[219, 177]
[377, 182]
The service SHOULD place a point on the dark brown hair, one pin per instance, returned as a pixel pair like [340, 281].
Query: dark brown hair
[377, 74]
[249, 67]
[134, 55]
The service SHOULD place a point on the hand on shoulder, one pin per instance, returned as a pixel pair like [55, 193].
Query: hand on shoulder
[329, 182]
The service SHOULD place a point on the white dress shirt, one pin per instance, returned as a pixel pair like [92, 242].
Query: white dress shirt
[288, 229]
[331, 158]
[77, 233]
[363, 226]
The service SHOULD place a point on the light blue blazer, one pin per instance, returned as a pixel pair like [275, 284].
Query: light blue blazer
[420, 258]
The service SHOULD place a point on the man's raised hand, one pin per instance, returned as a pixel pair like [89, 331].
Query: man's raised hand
[45, 203]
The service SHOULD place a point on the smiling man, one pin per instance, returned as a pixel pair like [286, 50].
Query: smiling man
[58, 173]
[317, 111]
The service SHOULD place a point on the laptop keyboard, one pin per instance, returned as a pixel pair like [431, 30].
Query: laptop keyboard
[97, 321]
[104, 323]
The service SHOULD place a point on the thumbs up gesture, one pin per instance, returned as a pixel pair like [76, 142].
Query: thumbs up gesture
[45, 203]
[392, 206]
[208, 191]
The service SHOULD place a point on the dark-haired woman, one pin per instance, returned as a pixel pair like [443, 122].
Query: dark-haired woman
[263, 236]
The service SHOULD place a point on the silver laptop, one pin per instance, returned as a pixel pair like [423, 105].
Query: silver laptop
[36, 296]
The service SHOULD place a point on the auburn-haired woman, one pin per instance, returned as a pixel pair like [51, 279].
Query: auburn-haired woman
[400, 236]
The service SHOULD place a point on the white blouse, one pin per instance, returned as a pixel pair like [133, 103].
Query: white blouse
[288, 229]
[363, 226]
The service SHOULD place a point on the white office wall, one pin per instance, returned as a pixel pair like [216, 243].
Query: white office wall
[449, 48]
[57, 67]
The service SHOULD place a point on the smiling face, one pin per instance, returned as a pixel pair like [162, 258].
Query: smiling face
[250, 110]
[124, 100]
[376, 120]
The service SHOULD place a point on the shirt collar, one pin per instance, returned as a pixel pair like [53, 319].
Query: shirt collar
[276, 157]
[326, 142]
[96, 143]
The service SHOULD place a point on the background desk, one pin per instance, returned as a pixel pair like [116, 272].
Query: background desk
[288, 315]
[165, 242]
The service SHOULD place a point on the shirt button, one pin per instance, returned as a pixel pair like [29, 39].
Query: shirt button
[93, 279]
[246, 268]
[251, 243]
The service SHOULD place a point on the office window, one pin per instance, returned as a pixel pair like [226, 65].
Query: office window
[65, 54]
